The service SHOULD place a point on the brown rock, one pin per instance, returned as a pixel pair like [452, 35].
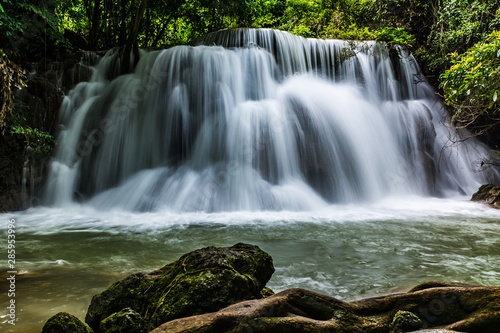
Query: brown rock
[489, 194]
[440, 306]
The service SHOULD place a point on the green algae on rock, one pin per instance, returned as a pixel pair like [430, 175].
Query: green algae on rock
[201, 281]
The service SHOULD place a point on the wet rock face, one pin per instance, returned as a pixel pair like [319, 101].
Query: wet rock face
[47, 83]
[489, 194]
[12, 197]
[201, 281]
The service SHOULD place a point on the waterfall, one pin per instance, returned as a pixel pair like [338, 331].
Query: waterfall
[257, 119]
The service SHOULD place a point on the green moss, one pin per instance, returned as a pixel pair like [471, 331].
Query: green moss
[127, 320]
[266, 292]
[65, 322]
[201, 281]
[405, 321]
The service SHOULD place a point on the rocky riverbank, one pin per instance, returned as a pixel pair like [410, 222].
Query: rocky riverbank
[223, 290]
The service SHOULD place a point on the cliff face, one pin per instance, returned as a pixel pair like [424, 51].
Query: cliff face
[23, 168]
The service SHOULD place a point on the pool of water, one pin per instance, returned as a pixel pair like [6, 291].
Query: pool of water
[66, 255]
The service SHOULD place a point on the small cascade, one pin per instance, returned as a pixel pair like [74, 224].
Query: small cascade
[257, 119]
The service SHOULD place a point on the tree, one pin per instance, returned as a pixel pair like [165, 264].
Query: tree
[12, 77]
[472, 85]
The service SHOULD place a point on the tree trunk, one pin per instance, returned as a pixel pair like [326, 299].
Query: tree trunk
[132, 38]
[148, 28]
[123, 25]
[95, 24]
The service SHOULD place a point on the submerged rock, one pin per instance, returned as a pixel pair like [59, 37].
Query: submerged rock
[201, 281]
[489, 194]
[64, 322]
[453, 307]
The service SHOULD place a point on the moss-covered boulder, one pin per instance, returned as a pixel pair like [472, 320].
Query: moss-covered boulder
[201, 281]
[64, 322]
[127, 320]
[489, 194]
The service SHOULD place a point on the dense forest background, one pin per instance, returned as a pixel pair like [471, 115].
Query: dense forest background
[457, 44]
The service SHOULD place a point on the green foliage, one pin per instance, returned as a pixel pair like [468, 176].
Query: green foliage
[72, 16]
[203, 16]
[344, 19]
[301, 18]
[29, 28]
[472, 84]
[458, 25]
[39, 141]
[395, 36]
[353, 32]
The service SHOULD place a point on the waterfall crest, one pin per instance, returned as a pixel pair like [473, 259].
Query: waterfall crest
[256, 119]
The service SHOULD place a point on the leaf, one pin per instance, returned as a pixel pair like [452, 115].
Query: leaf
[495, 97]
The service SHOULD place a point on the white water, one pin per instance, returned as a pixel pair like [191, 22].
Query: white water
[336, 167]
[292, 125]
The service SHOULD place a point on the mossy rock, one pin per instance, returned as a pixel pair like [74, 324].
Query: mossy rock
[127, 320]
[64, 322]
[489, 194]
[405, 321]
[201, 281]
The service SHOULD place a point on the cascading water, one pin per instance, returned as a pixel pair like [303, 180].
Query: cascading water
[258, 120]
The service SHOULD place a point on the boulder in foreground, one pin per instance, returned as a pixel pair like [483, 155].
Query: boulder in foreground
[201, 281]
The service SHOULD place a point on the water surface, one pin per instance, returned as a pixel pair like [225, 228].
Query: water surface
[66, 255]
